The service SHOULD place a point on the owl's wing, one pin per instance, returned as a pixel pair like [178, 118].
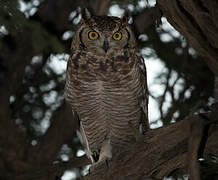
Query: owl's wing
[143, 97]
[82, 137]
[79, 126]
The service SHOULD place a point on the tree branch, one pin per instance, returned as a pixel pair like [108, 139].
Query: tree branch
[162, 151]
[197, 25]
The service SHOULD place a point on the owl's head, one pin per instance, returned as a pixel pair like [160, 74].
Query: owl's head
[103, 35]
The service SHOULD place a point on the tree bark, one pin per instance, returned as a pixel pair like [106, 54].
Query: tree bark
[197, 21]
[159, 153]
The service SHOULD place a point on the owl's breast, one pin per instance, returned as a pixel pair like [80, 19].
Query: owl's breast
[106, 101]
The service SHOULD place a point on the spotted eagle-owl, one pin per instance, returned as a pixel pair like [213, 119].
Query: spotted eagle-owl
[106, 85]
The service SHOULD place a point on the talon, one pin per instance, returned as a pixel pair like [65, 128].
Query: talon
[107, 162]
[99, 164]
[95, 156]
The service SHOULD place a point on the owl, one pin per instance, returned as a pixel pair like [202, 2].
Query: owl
[106, 86]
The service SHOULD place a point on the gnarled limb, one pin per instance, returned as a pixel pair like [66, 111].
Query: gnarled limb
[162, 151]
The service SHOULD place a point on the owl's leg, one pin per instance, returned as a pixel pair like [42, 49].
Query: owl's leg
[105, 155]
[106, 151]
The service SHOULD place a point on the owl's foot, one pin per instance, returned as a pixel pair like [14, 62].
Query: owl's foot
[104, 156]
[95, 156]
[99, 165]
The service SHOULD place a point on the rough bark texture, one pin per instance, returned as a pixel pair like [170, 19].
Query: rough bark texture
[159, 153]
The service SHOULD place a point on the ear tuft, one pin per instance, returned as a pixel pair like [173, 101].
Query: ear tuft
[86, 14]
[125, 17]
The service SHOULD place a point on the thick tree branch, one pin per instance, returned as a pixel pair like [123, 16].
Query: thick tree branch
[162, 151]
[196, 22]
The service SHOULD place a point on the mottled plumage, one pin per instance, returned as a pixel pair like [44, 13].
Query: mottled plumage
[106, 86]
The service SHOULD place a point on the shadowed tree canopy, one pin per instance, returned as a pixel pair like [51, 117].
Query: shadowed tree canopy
[37, 131]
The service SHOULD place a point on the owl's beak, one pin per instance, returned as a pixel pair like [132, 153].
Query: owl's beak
[105, 46]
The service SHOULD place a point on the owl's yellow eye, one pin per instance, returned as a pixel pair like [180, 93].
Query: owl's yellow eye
[93, 35]
[117, 36]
